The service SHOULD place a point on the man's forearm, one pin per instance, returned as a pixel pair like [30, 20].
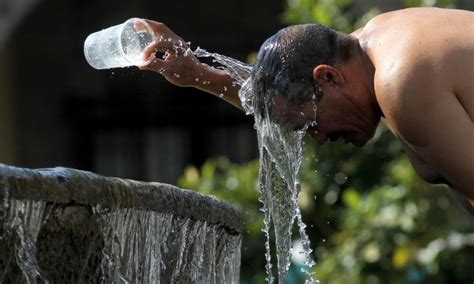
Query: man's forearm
[182, 67]
[218, 83]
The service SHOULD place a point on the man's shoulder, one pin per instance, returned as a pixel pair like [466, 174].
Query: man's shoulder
[417, 34]
[397, 78]
[405, 74]
[404, 90]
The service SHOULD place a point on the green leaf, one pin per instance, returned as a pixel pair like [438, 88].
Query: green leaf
[351, 199]
[321, 14]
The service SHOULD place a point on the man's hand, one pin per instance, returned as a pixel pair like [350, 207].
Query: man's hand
[178, 65]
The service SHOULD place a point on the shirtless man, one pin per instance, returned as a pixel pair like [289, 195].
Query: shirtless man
[413, 69]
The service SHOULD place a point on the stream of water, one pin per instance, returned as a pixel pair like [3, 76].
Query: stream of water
[280, 160]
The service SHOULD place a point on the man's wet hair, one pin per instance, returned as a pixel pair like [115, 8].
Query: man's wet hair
[285, 62]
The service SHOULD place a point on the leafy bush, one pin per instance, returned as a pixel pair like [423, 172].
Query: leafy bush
[369, 217]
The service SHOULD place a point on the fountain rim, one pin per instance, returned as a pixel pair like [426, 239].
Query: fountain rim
[68, 186]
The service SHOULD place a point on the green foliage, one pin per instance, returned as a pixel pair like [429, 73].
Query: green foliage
[342, 15]
[370, 218]
[430, 3]
[237, 184]
[385, 222]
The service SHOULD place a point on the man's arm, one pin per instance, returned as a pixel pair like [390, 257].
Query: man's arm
[181, 67]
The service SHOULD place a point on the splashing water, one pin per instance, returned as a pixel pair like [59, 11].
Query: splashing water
[280, 159]
[239, 71]
[135, 246]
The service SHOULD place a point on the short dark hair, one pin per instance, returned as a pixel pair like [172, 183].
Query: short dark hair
[285, 62]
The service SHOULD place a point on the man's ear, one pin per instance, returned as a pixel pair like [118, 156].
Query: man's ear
[326, 75]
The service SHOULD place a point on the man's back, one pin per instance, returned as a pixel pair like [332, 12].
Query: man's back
[440, 39]
[424, 84]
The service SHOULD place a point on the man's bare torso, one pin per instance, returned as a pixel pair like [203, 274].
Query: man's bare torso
[424, 84]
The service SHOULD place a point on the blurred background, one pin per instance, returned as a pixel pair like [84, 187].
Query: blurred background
[369, 217]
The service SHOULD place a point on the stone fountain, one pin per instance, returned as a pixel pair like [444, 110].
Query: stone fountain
[67, 226]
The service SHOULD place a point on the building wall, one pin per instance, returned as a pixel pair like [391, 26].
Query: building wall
[126, 122]
[7, 117]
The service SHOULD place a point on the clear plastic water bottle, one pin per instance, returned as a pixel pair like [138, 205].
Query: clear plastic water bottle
[119, 46]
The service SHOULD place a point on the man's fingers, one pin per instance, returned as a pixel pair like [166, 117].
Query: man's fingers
[157, 46]
[139, 25]
[156, 65]
[161, 30]
[168, 47]
[149, 52]
[158, 27]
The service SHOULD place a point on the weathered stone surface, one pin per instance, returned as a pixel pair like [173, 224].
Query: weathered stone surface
[68, 226]
[65, 186]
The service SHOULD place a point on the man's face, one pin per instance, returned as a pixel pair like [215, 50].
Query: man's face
[331, 118]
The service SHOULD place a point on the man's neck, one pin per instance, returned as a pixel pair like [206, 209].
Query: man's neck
[367, 65]
[365, 72]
